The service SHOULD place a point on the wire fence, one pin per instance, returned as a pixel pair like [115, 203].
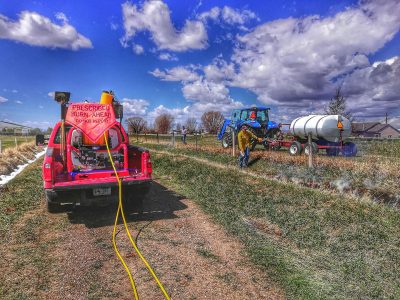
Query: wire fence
[9, 141]
[175, 139]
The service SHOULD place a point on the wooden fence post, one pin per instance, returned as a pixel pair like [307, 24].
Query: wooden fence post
[310, 152]
[0, 147]
[158, 139]
[16, 142]
[233, 143]
[195, 134]
[173, 138]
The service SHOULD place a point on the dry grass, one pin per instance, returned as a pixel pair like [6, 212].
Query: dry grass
[11, 158]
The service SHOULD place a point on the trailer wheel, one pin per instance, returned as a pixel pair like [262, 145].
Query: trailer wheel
[227, 140]
[332, 151]
[314, 148]
[349, 149]
[295, 148]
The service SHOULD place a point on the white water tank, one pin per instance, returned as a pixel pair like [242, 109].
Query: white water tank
[321, 127]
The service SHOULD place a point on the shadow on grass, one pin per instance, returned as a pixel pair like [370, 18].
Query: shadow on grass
[159, 203]
[253, 161]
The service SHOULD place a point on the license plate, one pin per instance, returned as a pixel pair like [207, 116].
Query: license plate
[102, 191]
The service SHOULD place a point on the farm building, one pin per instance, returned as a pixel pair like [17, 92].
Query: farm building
[375, 129]
[12, 128]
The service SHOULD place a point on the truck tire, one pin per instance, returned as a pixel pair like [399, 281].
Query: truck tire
[314, 148]
[226, 140]
[295, 148]
[52, 206]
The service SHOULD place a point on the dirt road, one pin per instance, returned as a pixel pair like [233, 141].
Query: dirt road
[70, 255]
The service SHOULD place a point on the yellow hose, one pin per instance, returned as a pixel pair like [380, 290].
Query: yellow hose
[120, 208]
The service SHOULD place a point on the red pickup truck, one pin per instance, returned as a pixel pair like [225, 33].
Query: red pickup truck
[84, 174]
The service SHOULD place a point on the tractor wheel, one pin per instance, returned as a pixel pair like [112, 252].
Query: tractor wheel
[295, 148]
[314, 148]
[227, 140]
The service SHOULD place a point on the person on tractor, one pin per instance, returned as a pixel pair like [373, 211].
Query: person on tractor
[244, 141]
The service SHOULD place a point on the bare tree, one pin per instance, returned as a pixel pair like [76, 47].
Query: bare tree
[178, 127]
[163, 123]
[191, 124]
[337, 106]
[136, 125]
[212, 121]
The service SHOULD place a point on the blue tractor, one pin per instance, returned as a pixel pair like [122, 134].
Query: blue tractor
[257, 121]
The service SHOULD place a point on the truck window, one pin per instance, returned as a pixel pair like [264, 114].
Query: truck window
[57, 138]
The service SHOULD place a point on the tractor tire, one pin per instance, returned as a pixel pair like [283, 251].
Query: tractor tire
[295, 148]
[314, 148]
[254, 142]
[226, 140]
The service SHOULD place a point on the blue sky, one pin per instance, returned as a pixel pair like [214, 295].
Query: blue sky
[187, 58]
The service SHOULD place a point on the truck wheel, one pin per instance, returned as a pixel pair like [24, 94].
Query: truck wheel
[314, 148]
[227, 140]
[295, 148]
[52, 207]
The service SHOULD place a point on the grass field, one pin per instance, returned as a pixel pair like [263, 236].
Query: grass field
[326, 233]
[316, 245]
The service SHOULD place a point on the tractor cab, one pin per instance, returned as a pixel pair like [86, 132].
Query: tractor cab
[255, 117]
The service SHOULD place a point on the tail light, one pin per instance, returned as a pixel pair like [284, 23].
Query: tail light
[146, 164]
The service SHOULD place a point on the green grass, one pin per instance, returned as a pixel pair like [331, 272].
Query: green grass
[330, 248]
[361, 176]
[8, 141]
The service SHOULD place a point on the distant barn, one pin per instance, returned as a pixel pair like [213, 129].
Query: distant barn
[9, 128]
[374, 129]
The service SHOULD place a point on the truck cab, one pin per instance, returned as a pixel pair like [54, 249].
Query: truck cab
[84, 174]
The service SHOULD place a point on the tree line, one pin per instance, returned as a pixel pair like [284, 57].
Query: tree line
[164, 123]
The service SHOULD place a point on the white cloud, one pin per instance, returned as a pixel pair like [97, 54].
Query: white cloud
[375, 90]
[51, 94]
[36, 30]
[62, 17]
[155, 17]
[2, 99]
[297, 63]
[176, 74]
[14, 91]
[138, 49]
[41, 106]
[135, 106]
[18, 102]
[168, 57]
[228, 15]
